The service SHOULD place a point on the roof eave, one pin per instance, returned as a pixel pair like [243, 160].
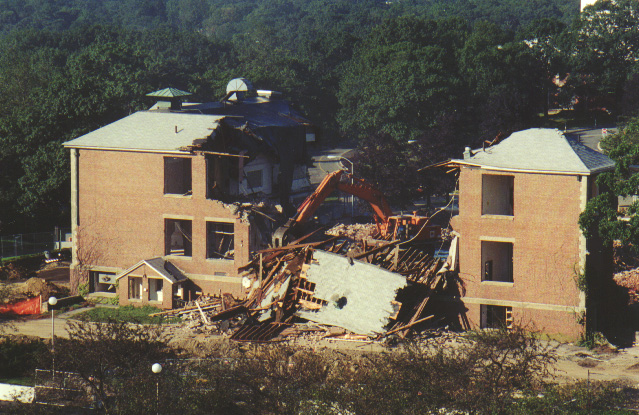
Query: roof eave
[516, 170]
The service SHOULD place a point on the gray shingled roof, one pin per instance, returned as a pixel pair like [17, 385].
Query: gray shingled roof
[161, 266]
[150, 131]
[543, 150]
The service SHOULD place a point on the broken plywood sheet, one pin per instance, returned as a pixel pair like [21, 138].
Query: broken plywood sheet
[360, 296]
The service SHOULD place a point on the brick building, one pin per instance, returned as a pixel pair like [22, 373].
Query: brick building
[520, 245]
[157, 212]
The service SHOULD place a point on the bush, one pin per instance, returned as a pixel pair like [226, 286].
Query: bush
[19, 357]
[128, 314]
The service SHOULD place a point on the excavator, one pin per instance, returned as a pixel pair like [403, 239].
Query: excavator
[389, 226]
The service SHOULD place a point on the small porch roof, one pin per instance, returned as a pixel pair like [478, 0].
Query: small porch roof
[162, 268]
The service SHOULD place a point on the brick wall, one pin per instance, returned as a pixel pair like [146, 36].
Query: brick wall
[122, 209]
[545, 237]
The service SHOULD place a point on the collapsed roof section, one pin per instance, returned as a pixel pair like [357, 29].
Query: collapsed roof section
[360, 297]
[255, 125]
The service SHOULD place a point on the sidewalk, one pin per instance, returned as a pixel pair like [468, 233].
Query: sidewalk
[42, 327]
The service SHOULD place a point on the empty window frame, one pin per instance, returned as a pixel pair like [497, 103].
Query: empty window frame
[220, 240]
[496, 317]
[497, 194]
[102, 281]
[177, 176]
[254, 180]
[155, 289]
[135, 288]
[497, 261]
[218, 170]
[178, 237]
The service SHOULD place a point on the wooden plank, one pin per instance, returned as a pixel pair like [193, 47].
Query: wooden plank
[407, 326]
[290, 247]
[375, 250]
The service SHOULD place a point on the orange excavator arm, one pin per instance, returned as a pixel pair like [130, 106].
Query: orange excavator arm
[333, 181]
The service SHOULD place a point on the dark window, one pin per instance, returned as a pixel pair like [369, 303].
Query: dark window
[254, 180]
[496, 317]
[177, 235]
[497, 261]
[497, 195]
[220, 239]
[177, 176]
[218, 171]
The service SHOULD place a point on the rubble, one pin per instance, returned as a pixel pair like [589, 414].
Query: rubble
[334, 288]
[355, 231]
[629, 279]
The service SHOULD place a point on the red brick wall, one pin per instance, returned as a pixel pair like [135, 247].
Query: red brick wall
[546, 246]
[122, 208]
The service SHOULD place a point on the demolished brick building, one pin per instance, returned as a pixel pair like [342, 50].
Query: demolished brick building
[155, 212]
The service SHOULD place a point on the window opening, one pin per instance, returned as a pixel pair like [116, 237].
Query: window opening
[178, 240]
[496, 317]
[102, 282]
[254, 180]
[177, 176]
[135, 288]
[497, 261]
[155, 289]
[498, 195]
[218, 170]
[220, 240]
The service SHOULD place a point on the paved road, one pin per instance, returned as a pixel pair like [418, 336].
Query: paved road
[42, 327]
[591, 136]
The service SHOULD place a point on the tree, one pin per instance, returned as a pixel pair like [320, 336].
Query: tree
[605, 41]
[507, 81]
[601, 218]
[401, 78]
[105, 355]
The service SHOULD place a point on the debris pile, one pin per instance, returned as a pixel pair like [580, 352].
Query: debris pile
[333, 288]
[356, 231]
[629, 279]
[198, 313]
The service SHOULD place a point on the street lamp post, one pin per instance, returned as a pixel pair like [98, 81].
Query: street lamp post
[352, 180]
[157, 368]
[52, 301]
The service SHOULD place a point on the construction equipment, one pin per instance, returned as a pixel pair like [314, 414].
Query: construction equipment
[389, 226]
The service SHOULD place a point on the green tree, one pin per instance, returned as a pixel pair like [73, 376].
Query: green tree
[507, 81]
[601, 217]
[401, 78]
[605, 41]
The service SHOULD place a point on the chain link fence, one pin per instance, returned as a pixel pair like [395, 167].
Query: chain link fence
[61, 389]
[33, 243]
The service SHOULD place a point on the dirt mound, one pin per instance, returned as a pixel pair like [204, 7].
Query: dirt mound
[38, 286]
[12, 272]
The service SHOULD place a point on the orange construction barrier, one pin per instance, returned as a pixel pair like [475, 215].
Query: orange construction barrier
[23, 307]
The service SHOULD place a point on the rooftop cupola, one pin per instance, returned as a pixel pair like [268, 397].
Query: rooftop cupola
[169, 98]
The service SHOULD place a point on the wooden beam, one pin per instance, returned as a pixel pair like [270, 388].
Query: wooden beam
[407, 326]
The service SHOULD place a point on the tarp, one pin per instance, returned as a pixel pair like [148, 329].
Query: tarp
[23, 307]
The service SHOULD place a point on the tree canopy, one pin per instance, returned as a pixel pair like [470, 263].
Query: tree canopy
[444, 74]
